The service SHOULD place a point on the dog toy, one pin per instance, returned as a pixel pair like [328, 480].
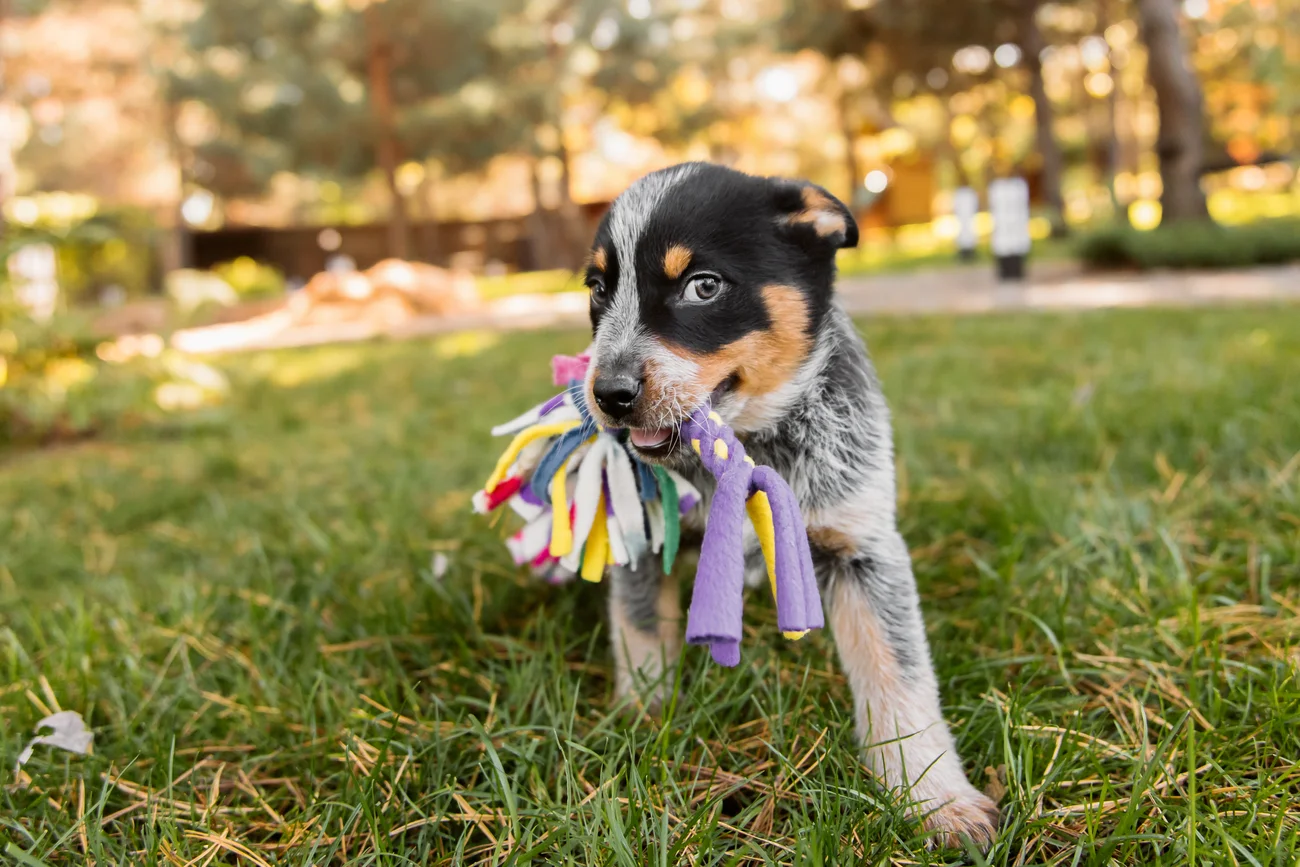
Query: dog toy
[587, 502]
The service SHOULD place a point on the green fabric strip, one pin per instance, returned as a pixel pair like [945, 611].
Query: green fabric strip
[672, 517]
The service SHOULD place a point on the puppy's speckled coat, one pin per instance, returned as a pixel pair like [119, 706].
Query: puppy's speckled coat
[709, 284]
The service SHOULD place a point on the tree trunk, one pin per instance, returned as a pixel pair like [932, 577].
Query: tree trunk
[1049, 150]
[177, 247]
[1112, 143]
[851, 167]
[386, 149]
[539, 246]
[570, 215]
[430, 250]
[1114, 155]
[1178, 99]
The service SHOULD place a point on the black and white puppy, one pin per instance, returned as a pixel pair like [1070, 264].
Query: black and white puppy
[712, 285]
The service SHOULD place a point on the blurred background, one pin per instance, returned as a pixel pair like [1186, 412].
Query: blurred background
[168, 164]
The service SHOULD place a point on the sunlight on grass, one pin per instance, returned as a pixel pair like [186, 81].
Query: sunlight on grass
[528, 283]
[323, 363]
[466, 344]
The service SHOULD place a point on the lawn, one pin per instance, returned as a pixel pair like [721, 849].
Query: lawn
[1104, 512]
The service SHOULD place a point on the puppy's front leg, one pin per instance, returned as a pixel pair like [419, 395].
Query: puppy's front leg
[874, 611]
[645, 625]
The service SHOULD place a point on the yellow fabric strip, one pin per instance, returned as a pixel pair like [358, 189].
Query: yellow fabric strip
[594, 557]
[561, 529]
[760, 515]
[521, 440]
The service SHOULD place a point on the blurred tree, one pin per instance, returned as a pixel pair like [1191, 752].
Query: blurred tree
[78, 111]
[1249, 62]
[1180, 142]
[554, 61]
[1032, 45]
[911, 44]
[854, 40]
[326, 88]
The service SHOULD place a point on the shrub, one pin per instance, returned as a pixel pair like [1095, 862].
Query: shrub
[251, 279]
[59, 382]
[110, 248]
[1193, 245]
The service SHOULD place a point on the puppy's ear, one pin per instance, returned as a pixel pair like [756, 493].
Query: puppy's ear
[814, 215]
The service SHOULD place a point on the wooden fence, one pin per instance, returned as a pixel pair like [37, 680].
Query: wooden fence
[300, 251]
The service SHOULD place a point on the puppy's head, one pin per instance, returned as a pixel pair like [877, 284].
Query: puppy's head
[707, 285]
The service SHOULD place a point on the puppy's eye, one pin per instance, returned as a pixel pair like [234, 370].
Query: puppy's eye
[597, 288]
[701, 288]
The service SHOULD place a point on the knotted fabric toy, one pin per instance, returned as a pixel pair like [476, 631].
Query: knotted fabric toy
[588, 502]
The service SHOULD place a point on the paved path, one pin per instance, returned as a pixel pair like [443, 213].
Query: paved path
[962, 290]
[1054, 287]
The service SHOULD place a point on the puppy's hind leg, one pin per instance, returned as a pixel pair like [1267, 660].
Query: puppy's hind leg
[645, 626]
[874, 611]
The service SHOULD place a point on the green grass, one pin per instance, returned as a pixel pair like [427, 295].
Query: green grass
[529, 283]
[1104, 512]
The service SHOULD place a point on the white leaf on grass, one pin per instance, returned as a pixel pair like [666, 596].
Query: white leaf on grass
[439, 565]
[1083, 394]
[69, 734]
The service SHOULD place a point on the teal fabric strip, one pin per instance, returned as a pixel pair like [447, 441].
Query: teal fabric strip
[672, 517]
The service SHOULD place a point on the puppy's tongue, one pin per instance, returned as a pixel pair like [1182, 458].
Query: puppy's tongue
[648, 439]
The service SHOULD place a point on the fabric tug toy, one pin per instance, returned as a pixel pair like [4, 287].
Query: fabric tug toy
[588, 502]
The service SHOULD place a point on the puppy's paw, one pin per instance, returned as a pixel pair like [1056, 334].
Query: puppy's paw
[966, 815]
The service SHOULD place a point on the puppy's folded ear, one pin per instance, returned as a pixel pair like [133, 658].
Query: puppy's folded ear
[817, 217]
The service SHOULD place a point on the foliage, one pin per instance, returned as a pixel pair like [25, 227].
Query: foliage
[110, 248]
[288, 85]
[87, 109]
[1193, 245]
[57, 384]
[251, 279]
[48, 374]
[1102, 513]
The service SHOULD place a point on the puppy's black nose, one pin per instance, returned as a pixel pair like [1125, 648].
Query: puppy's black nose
[616, 394]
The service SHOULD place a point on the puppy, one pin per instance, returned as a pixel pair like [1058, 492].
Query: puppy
[711, 285]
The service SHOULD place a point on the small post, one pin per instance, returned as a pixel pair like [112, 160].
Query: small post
[965, 205]
[33, 273]
[1009, 204]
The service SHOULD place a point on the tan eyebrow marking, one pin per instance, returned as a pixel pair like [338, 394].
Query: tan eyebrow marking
[676, 260]
[598, 258]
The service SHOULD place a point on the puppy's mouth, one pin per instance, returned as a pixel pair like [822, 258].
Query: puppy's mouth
[658, 444]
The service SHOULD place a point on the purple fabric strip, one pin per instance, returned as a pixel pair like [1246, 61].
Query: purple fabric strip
[790, 615]
[553, 404]
[812, 599]
[526, 494]
[715, 616]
